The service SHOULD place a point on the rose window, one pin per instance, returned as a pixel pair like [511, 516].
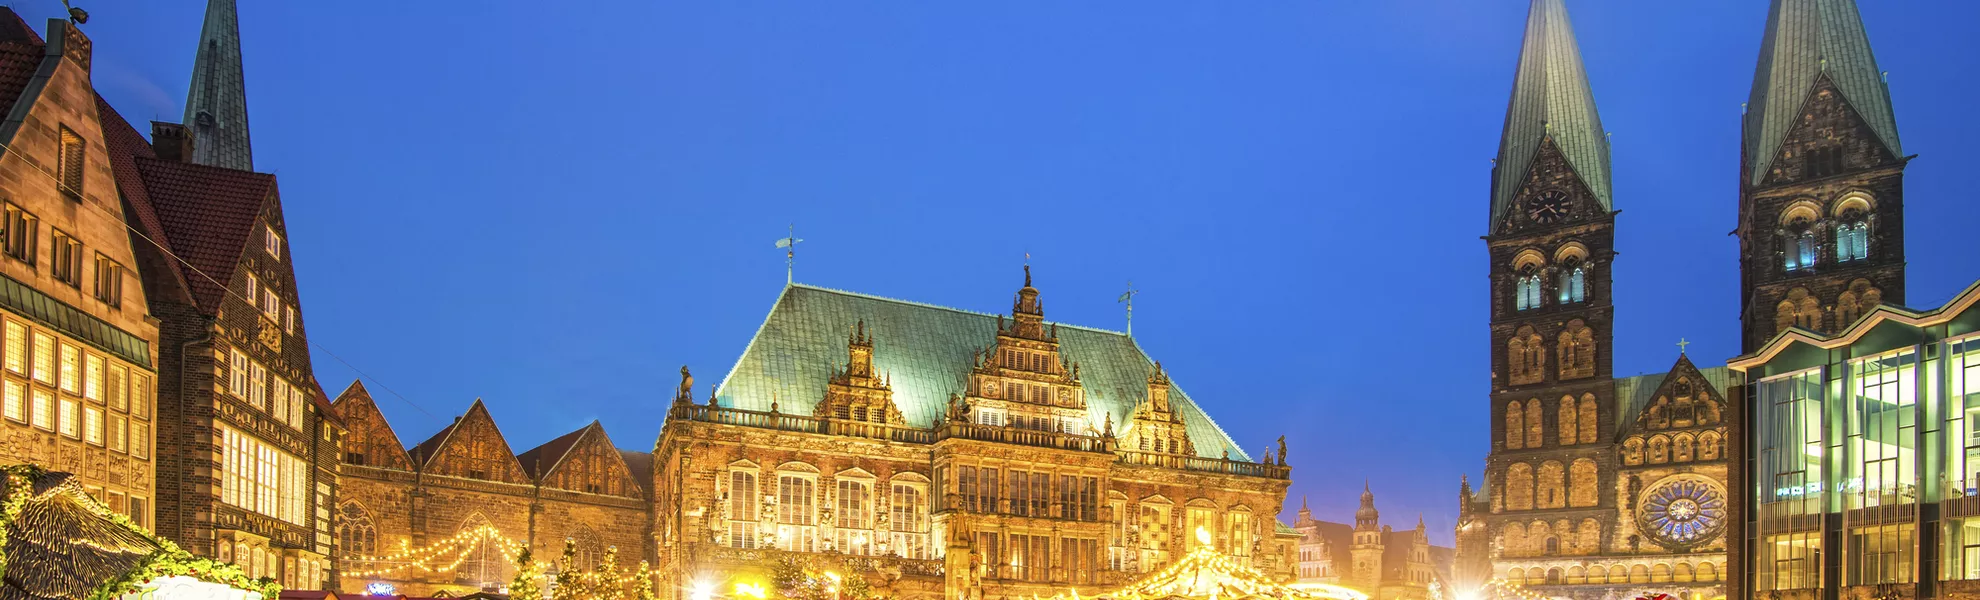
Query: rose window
[1683, 512]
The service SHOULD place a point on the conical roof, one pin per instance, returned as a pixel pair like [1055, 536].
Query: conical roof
[216, 102]
[1551, 99]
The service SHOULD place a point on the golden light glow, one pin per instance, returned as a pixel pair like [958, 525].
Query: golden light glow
[751, 590]
[703, 591]
[1203, 535]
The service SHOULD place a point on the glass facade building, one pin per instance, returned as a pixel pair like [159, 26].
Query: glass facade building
[1861, 457]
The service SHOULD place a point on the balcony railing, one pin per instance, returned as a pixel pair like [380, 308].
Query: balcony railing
[1205, 465]
[969, 431]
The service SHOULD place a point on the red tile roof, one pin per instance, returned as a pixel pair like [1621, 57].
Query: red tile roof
[125, 145]
[209, 213]
[20, 55]
[539, 460]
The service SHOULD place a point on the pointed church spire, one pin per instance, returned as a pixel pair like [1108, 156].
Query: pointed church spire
[1806, 40]
[216, 102]
[1551, 99]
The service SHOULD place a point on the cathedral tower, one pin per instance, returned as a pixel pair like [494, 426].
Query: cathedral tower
[1821, 214]
[1550, 242]
[216, 102]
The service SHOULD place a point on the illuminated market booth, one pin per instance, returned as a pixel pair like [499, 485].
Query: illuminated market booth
[1207, 574]
[58, 542]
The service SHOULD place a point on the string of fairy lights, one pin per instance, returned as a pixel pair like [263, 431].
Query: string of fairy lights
[447, 555]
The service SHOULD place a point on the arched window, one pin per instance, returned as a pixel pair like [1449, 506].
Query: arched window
[1526, 357]
[1574, 283]
[1852, 237]
[1515, 426]
[1582, 482]
[1519, 487]
[1576, 348]
[1536, 430]
[1552, 490]
[356, 535]
[1567, 425]
[1553, 545]
[1799, 245]
[1589, 419]
[484, 564]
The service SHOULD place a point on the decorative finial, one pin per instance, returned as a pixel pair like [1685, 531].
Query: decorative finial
[1127, 298]
[1681, 344]
[789, 244]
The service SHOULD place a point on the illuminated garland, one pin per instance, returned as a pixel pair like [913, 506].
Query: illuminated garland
[458, 548]
[1229, 578]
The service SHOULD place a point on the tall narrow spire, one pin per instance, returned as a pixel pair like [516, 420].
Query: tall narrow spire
[1806, 40]
[216, 102]
[1551, 99]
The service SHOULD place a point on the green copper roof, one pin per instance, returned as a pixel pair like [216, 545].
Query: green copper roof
[1806, 39]
[1550, 98]
[216, 102]
[927, 351]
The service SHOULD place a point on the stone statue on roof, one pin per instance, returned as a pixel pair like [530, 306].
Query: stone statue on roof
[687, 385]
[1282, 450]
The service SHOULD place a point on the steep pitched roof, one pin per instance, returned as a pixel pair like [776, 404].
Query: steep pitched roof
[1805, 40]
[539, 460]
[927, 350]
[20, 54]
[216, 102]
[209, 214]
[1551, 99]
[641, 465]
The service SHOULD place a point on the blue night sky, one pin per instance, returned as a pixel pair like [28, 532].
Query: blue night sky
[552, 206]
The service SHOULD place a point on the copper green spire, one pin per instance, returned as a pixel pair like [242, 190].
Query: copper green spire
[1550, 99]
[1806, 40]
[216, 102]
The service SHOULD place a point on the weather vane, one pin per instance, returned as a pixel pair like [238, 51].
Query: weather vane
[1127, 298]
[789, 244]
[76, 15]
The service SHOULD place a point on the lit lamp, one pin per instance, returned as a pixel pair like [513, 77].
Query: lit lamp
[1202, 535]
[703, 591]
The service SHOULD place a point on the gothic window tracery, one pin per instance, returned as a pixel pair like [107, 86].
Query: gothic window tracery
[1798, 245]
[1577, 350]
[484, 564]
[356, 534]
[1552, 491]
[1798, 309]
[1582, 481]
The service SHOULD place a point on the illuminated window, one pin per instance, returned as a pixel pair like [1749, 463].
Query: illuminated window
[855, 517]
[909, 521]
[68, 259]
[356, 535]
[109, 281]
[71, 369]
[796, 513]
[93, 425]
[16, 400]
[69, 421]
[1800, 247]
[21, 230]
[120, 433]
[93, 377]
[16, 353]
[44, 358]
[261, 478]
[44, 409]
[1574, 283]
[272, 242]
[1852, 238]
[1238, 533]
[71, 166]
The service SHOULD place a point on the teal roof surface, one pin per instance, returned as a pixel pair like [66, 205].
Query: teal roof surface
[1634, 393]
[926, 351]
[1806, 39]
[1550, 98]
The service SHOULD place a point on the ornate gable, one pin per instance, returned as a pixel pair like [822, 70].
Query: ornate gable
[1024, 379]
[370, 441]
[1156, 427]
[858, 392]
[1830, 138]
[473, 448]
[1681, 421]
[588, 463]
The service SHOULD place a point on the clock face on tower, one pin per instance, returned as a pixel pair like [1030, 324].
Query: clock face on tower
[1549, 206]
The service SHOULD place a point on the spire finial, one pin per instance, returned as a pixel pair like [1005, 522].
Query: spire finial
[1127, 298]
[789, 244]
[1681, 344]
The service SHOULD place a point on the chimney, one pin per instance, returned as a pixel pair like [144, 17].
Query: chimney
[171, 141]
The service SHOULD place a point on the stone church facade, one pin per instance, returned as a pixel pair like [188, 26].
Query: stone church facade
[1594, 485]
[938, 452]
[1597, 485]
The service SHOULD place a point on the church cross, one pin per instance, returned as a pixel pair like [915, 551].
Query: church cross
[1681, 344]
